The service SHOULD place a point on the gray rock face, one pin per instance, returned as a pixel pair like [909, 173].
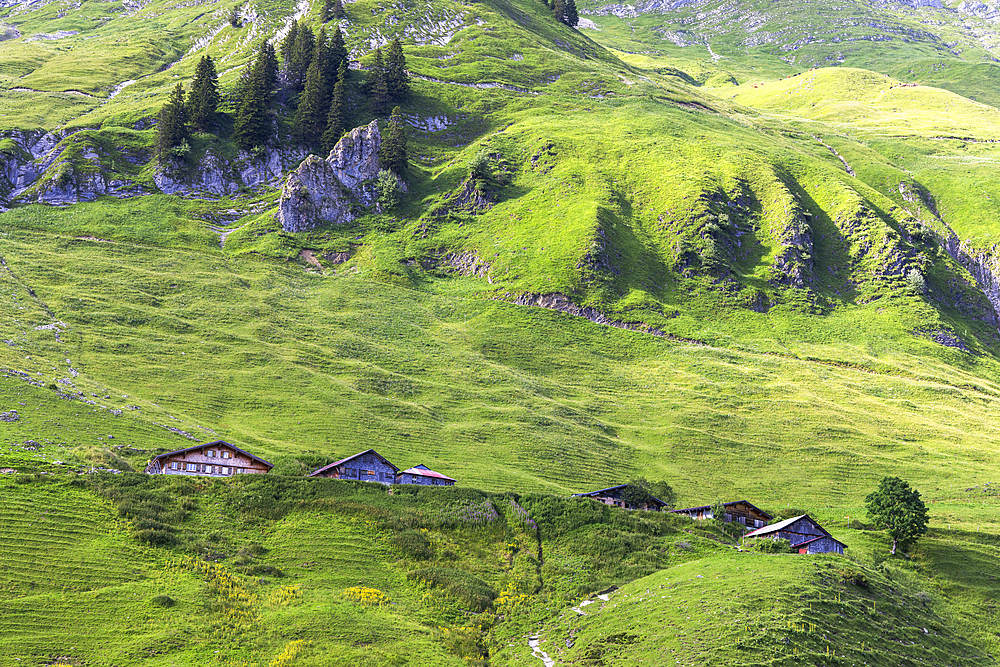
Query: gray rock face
[25, 165]
[215, 176]
[983, 11]
[322, 191]
[313, 194]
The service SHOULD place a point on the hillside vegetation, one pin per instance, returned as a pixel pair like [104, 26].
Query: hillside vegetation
[686, 255]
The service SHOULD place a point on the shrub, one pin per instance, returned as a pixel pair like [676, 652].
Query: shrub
[468, 588]
[414, 544]
[481, 166]
[766, 546]
[849, 575]
[164, 601]
[388, 189]
[156, 537]
[370, 597]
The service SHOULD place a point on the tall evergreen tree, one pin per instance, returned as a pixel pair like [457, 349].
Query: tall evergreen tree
[309, 117]
[396, 79]
[203, 99]
[252, 128]
[172, 128]
[559, 9]
[337, 9]
[378, 89]
[328, 75]
[570, 15]
[288, 44]
[338, 51]
[392, 153]
[336, 120]
[302, 55]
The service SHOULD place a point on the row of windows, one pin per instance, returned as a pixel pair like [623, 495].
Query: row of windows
[206, 469]
[222, 454]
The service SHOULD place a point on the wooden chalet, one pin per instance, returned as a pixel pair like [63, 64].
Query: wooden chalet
[614, 496]
[366, 466]
[216, 459]
[739, 511]
[421, 474]
[804, 534]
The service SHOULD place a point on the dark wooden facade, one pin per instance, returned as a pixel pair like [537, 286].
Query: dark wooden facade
[212, 459]
[421, 474]
[804, 534]
[366, 466]
[738, 511]
[614, 496]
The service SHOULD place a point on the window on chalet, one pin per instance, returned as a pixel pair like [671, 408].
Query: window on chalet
[190, 467]
[211, 453]
[226, 454]
[173, 465]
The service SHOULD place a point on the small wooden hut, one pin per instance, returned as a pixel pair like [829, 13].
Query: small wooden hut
[216, 459]
[421, 474]
[366, 466]
[804, 534]
[739, 511]
[616, 496]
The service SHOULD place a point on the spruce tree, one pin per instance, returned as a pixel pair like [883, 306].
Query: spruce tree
[337, 9]
[378, 90]
[570, 15]
[336, 120]
[302, 55]
[288, 45]
[309, 117]
[328, 76]
[252, 128]
[338, 52]
[392, 153]
[396, 80]
[559, 9]
[203, 99]
[172, 128]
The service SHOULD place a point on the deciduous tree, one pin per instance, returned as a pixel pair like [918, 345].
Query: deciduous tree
[898, 509]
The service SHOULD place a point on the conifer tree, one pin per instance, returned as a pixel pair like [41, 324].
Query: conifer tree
[252, 128]
[392, 153]
[570, 15]
[288, 44]
[302, 55]
[172, 128]
[203, 99]
[336, 120]
[396, 80]
[559, 9]
[309, 117]
[338, 52]
[328, 75]
[378, 90]
[337, 9]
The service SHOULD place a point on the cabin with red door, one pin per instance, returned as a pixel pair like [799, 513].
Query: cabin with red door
[803, 533]
[366, 466]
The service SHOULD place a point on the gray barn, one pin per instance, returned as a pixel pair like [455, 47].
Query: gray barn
[366, 466]
[804, 534]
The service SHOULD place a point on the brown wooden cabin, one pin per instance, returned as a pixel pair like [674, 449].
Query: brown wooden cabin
[216, 459]
[366, 466]
[421, 474]
[804, 534]
[613, 495]
[739, 511]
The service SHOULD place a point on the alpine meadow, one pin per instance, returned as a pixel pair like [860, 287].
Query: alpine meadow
[570, 265]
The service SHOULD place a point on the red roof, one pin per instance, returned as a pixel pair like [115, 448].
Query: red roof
[424, 471]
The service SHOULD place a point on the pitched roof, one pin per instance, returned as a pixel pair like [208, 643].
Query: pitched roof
[831, 537]
[424, 471]
[735, 502]
[209, 444]
[781, 525]
[591, 494]
[349, 458]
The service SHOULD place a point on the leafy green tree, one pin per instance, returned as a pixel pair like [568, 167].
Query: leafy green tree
[378, 89]
[203, 99]
[387, 186]
[392, 153]
[234, 17]
[898, 509]
[570, 16]
[309, 120]
[336, 119]
[172, 127]
[397, 81]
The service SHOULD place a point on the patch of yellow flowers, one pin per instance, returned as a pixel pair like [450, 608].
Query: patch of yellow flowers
[370, 597]
[284, 595]
[286, 656]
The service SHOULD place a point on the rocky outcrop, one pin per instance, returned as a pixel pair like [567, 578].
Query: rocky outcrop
[793, 263]
[213, 175]
[978, 9]
[355, 162]
[312, 194]
[24, 158]
[323, 191]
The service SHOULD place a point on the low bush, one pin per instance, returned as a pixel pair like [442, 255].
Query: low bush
[468, 588]
[164, 601]
[414, 544]
[850, 575]
[766, 546]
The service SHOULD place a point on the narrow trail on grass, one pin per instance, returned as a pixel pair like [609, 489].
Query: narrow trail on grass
[839, 156]
[533, 642]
